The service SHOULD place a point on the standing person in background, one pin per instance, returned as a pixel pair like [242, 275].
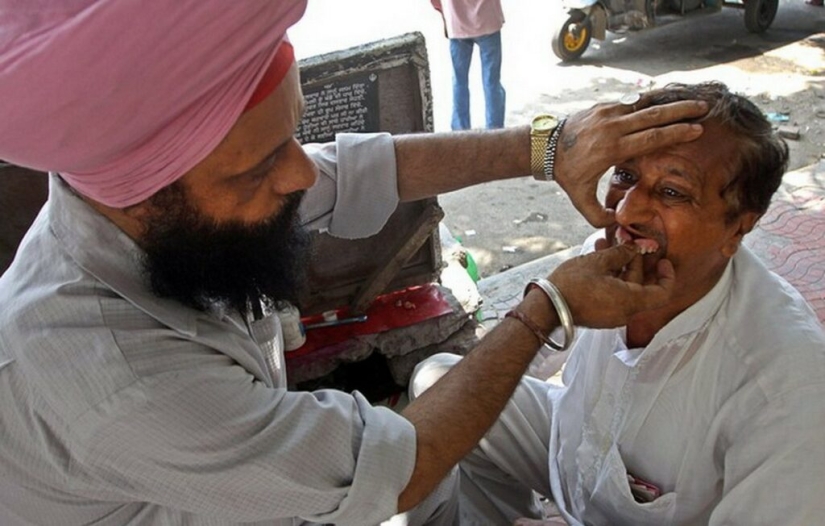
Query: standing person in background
[468, 23]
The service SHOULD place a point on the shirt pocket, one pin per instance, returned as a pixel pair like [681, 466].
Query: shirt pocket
[612, 502]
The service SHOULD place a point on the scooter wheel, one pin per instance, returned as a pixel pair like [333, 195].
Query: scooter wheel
[759, 14]
[572, 37]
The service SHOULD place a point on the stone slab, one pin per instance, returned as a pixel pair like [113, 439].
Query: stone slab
[503, 291]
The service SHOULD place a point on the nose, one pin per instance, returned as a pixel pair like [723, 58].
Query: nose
[299, 171]
[634, 207]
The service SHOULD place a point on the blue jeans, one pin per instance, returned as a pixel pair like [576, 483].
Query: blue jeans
[461, 51]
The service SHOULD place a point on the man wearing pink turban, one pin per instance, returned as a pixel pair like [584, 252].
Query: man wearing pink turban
[141, 364]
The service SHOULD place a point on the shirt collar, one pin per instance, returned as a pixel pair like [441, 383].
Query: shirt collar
[103, 250]
[697, 315]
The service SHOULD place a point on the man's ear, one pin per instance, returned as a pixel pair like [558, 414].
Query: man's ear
[130, 219]
[742, 224]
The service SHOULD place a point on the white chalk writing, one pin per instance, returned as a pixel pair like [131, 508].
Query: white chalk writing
[336, 108]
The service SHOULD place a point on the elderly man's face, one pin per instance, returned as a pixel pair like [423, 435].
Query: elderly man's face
[227, 232]
[670, 203]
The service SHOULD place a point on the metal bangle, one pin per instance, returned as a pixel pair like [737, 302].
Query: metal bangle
[562, 310]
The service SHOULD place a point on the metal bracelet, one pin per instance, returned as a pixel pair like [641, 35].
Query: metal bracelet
[550, 153]
[562, 310]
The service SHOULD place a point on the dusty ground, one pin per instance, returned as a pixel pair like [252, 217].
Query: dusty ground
[783, 71]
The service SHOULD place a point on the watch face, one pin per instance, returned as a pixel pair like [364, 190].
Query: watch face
[544, 122]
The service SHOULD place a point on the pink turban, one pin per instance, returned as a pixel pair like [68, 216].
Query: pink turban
[123, 97]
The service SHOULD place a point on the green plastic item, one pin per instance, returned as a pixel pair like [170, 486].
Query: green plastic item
[472, 269]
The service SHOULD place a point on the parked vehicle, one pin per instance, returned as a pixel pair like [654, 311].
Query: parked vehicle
[588, 19]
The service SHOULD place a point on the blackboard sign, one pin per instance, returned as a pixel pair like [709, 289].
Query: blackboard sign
[380, 86]
[348, 105]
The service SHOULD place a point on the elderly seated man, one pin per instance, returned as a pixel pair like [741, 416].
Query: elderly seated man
[707, 411]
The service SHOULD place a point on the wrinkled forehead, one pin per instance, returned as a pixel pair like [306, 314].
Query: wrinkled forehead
[713, 158]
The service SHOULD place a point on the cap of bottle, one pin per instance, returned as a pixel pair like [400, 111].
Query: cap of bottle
[292, 328]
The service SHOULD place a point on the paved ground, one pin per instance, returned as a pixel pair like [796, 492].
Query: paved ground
[791, 236]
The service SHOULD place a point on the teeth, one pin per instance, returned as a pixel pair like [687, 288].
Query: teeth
[622, 237]
[644, 245]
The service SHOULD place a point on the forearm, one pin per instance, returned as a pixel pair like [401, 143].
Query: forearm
[455, 413]
[429, 164]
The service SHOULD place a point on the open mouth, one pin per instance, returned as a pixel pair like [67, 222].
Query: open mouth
[646, 245]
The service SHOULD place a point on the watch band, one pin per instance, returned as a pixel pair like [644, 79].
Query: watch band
[541, 128]
[549, 165]
[538, 153]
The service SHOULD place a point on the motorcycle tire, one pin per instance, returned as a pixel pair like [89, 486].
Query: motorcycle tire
[759, 14]
[572, 38]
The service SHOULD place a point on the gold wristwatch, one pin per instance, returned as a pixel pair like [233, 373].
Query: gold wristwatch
[541, 129]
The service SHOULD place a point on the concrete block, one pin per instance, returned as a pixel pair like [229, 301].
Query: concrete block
[789, 132]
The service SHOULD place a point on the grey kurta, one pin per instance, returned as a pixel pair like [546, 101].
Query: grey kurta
[122, 408]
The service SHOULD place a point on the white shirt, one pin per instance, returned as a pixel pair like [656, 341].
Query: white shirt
[724, 411]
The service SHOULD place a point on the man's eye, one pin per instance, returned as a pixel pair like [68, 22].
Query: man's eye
[258, 176]
[623, 177]
[262, 171]
[673, 194]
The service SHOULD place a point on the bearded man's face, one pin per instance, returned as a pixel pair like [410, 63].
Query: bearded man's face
[192, 258]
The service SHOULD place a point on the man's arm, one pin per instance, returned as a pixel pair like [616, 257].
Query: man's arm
[452, 415]
[429, 164]
[591, 142]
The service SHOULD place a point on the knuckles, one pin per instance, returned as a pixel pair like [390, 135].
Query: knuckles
[655, 113]
[652, 138]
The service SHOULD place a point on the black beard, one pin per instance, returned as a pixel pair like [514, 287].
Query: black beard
[203, 264]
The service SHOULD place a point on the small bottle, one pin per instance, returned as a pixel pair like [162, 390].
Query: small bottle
[292, 328]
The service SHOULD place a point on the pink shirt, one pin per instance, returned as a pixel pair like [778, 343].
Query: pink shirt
[470, 18]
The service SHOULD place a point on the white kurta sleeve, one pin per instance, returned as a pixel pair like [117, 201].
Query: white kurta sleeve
[357, 189]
